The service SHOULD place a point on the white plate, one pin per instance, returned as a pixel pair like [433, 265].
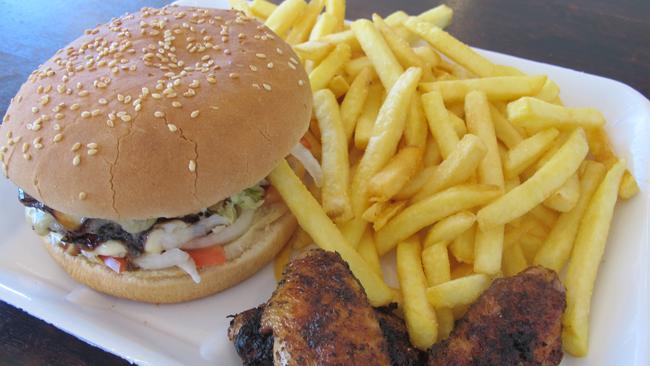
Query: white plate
[195, 333]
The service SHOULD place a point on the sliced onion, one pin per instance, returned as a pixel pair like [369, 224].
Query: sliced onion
[224, 234]
[309, 162]
[173, 234]
[170, 258]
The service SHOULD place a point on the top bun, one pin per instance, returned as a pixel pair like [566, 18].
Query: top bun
[160, 113]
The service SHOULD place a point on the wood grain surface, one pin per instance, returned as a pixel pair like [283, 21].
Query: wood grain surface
[604, 37]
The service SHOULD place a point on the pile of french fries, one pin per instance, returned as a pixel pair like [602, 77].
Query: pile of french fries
[468, 169]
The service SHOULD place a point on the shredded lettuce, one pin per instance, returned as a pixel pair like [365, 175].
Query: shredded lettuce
[250, 199]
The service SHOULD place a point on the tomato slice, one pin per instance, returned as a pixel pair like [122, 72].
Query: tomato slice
[115, 263]
[209, 256]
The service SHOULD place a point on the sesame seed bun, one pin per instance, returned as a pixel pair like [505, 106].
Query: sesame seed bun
[263, 241]
[160, 113]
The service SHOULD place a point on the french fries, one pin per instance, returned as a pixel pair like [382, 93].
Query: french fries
[461, 291]
[366, 121]
[325, 71]
[335, 163]
[449, 228]
[540, 186]
[479, 123]
[462, 248]
[457, 168]
[301, 30]
[392, 178]
[418, 313]
[353, 103]
[435, 260]
[315, 222]
[432, 209]
[566, 197]
[378, 52]
[527, 152]
[284, 16]
[337, 9]
[338, 85]
[440, 16]
[415, 131]
[262, 8]
[534, 113]
[586, 257]
[380, 212]
[368, 252]
[505, 132]
[500, 88]
[451, 47]
[439, 123]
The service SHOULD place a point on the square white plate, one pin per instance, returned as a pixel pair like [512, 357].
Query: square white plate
[195, 333]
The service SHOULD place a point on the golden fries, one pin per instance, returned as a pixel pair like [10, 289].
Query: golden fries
[325, 25]
[449, 228]
[315, 222]
[451, 47]
[262, 8]
[462, 248]
[418, 313]
[335, 163]
[354, 101]
[368, 252]
[325, 71]
[461, 291]
[586, 257]
[501, 88]
[337, 9]
[479, 123]
[505, 132]
[440, 16]
[415, 131]
[366, 121]
[392, 178]
[457, 168]
[537, 114]
[338, 85]
[301, 30]
[432, 209]
[378, 52]
[445, 317]
[435, 260]
[527, 152]
[566, 197]
[514, 260]
[439, 123]
[379, 213]
[284, 16]
[542, 184]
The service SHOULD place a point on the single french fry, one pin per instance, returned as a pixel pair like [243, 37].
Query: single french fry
[530, 245]
[325, 71]
[445, 318]
[549, 92]
[534, 113]
[586, 257]
[629, 188]
[427, 54]
[416, 129]
[379, 213]
[366, 120]
[262, 8]
[557, 247]
[284, 16]
[353, 103]
[432, 154]
[440, 16]
[488, 250]
[462, 270]
[368, 252]
[462, 248]
[379, 53]
[300, 240]
[382, 145]
[335, 163]
[479, 122]
[451, 47]
[435, 260]
[428, 211]
[458, 123]
[544, 215]
[325, 25]
[416, 183]
[396, 18]
[420, 317]
[337, 9]
[281, 261]
[338, 85]
[394, 176]
[317, 224]
[355, 66]
[537, 188]
[502, 88]
[566, 197]
[461, 291]
[302, 29]
[522, 156]
[348, 37]
[514, 260]
[439, 124]
[314, 144]
[505, 132]
[457, 168]
[449, 228]
[314, 50]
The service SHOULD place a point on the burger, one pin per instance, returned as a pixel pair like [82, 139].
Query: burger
[141, 151]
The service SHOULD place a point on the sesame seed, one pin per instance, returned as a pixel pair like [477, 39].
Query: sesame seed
[266, 86]
[211, 80]
[195, 113]
[214, 107]
[27, 156]
[192, 166]
[145, 91]
[34, 109]
[158, 114]
[76, 160]
[125, 117]
[92, 145]
[57, 127]
[110, 123]
[301, 82]
[83, 195]
[92, 152]
[25, 147]
[279, 51]
[256, 85]
[58, 116]
[253, 67]
[269, 65]
[76, 146]
[138, 107]
[95, 112]
[156, 96]
[57, 138]
[233, 75]
[291, 65]
[45, 99]
[172, 127]
[194, 84]
[260, 55]
[83, 93]
[293, 60]
[85, 114]
[120, 97]
[74, 107]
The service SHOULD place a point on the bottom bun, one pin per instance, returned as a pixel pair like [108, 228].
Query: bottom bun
[172, 285]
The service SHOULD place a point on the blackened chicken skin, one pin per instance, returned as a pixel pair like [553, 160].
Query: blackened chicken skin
[515, 322]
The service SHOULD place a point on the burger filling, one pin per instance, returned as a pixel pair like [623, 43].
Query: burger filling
[191, 241]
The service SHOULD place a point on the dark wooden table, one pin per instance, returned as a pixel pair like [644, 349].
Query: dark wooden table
[604, 37]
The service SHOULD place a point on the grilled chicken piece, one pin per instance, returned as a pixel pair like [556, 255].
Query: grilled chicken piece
[319, 315]
[515, 322]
